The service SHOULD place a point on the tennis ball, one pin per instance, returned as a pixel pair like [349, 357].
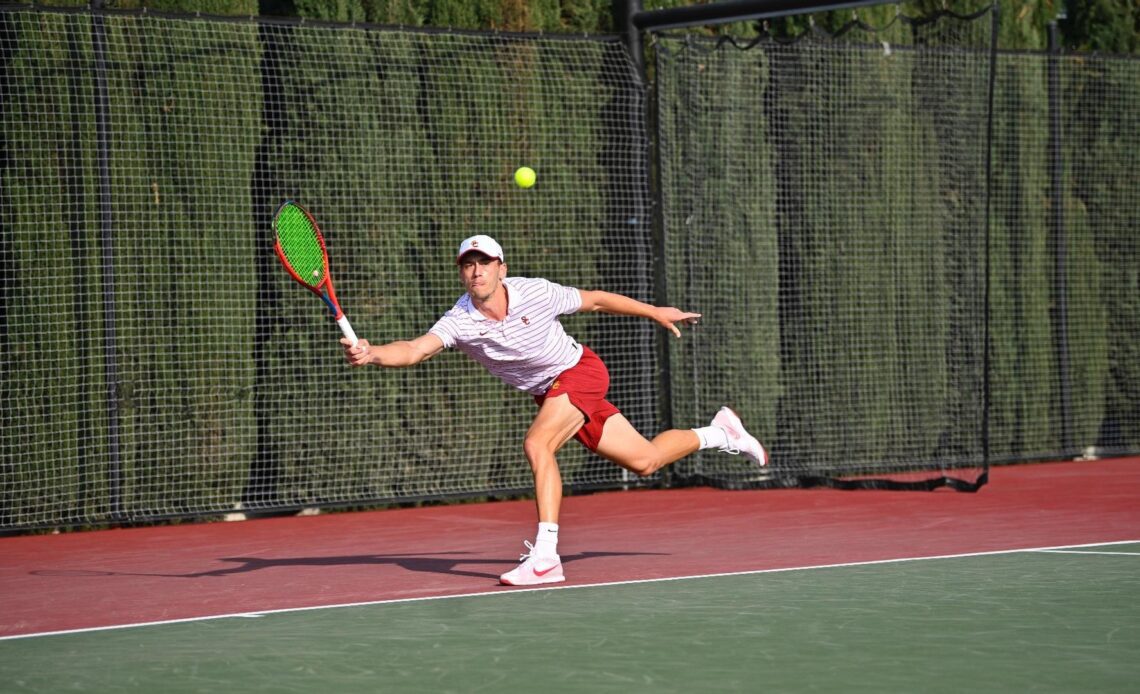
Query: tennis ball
[525, 176]
[316, 273]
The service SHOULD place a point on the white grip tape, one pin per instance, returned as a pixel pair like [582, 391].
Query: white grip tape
[346, 328]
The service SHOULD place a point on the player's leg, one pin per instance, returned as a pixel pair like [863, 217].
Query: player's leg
[556, 422]
[625, 446]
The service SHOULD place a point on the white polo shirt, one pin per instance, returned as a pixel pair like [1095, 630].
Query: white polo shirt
[526, 350]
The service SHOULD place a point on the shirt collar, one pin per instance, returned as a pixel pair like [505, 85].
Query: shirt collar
[477, 315]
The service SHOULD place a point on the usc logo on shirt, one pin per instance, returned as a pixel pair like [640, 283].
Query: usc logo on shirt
[556, 385]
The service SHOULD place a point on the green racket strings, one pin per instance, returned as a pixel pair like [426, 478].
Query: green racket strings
[300, 245]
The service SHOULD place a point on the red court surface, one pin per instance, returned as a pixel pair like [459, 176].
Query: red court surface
[119, 577]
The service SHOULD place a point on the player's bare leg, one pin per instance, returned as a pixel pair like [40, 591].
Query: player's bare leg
[625, 446]
[622, 444]
[556, 422]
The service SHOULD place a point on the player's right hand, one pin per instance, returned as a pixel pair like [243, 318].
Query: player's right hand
[359, 355]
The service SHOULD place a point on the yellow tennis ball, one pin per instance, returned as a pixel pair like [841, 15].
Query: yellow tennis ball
[525, 177]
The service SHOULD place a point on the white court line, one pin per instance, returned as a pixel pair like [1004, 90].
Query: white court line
[503, 591]
[1085, 551]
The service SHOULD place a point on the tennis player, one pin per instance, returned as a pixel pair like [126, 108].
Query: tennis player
[510, 326]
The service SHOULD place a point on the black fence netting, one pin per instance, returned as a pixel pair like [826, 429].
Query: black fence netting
[1065, 257]
[913, 252]
[822, 201]
[828, 209]
[157, 361]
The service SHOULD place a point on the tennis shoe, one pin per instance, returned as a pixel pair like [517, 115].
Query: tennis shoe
[534, 570]
[739, 440]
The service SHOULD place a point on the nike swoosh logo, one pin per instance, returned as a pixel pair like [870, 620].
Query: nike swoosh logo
[544, 571]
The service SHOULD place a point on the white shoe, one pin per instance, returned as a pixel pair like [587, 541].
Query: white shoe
[739, 440]
[534, 570]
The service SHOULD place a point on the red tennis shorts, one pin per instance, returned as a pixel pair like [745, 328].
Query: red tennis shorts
[586, 383]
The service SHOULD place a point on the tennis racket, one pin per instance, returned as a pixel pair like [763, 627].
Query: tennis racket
[301, 249]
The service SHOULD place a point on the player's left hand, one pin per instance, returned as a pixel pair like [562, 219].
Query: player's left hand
[669, 317]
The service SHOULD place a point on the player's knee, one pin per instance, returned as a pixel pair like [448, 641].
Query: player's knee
[642, 466]
[537, 451]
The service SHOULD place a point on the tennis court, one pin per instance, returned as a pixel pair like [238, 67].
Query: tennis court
[1030, 584]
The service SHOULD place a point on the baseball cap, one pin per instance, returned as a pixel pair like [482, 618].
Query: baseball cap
[483, 244]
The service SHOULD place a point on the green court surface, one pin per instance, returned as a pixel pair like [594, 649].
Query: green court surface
[1043, 621]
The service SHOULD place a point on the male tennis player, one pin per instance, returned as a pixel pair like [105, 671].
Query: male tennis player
[510, 326]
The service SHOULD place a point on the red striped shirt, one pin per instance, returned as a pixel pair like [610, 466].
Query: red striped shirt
[526, 350]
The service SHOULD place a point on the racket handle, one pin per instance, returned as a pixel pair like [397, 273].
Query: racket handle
[346, 328]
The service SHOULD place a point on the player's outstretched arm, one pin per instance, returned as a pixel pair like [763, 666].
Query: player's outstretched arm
[617, 304]
[394, 354]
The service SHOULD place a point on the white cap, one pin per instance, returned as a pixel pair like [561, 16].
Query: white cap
[483, 244]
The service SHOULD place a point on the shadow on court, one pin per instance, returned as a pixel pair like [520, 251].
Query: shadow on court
[349, 558]
[439, 563]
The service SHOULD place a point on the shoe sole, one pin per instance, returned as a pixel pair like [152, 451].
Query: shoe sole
[557, 579]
